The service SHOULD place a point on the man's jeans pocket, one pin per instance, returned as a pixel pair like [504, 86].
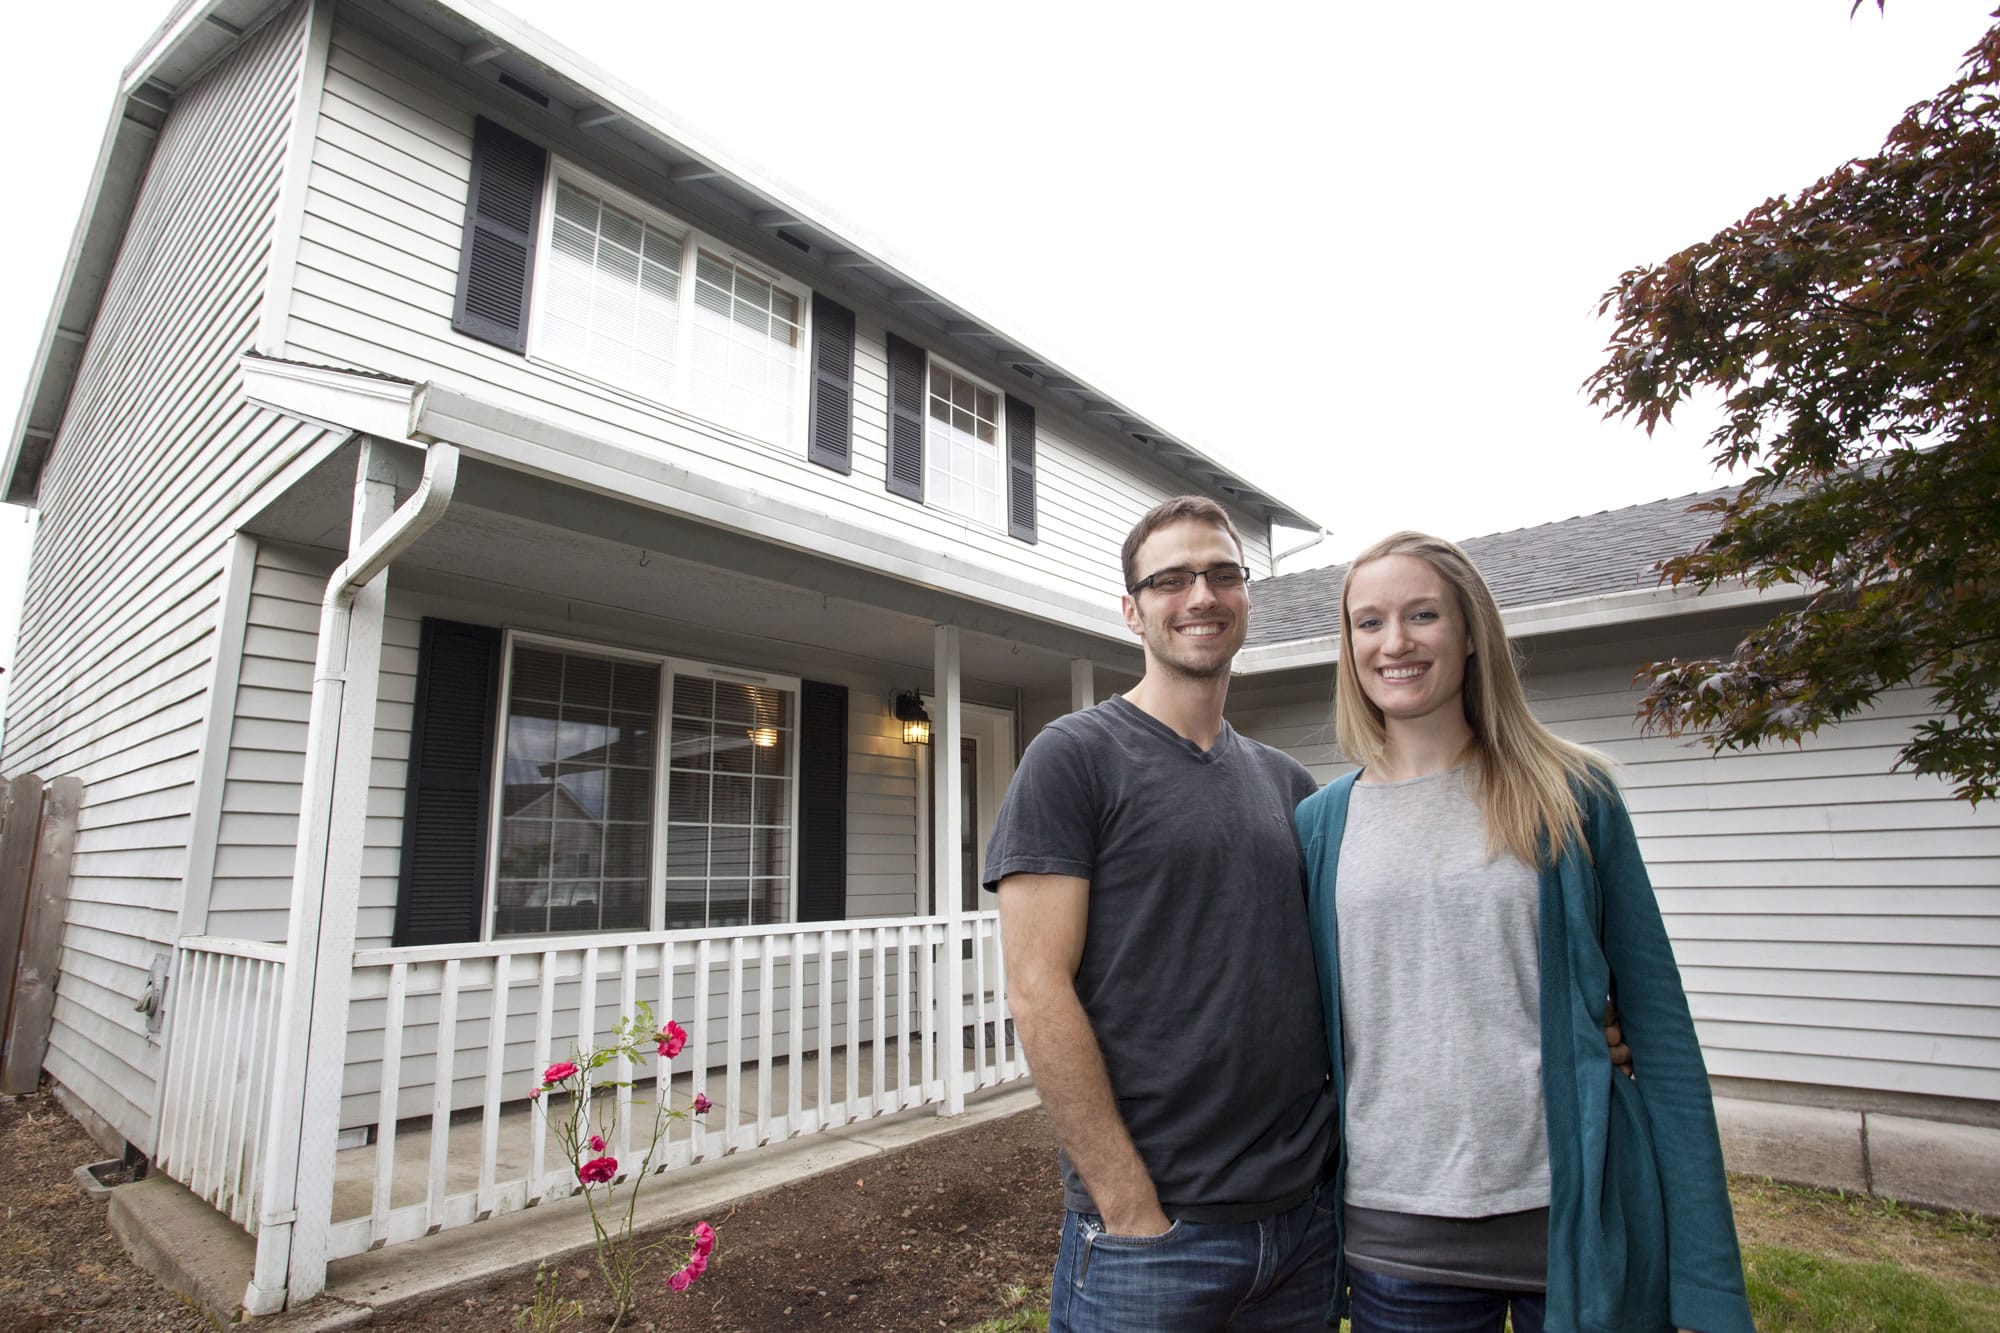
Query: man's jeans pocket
[1092, 1239]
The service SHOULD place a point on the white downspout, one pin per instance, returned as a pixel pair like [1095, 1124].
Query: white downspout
[311, 1036]
[1300, 549]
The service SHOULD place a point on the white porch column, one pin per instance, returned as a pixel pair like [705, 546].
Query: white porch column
[947, 869]
[1082, 684]
[296, 1205]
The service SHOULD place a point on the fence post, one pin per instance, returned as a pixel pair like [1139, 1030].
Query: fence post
[34, 989]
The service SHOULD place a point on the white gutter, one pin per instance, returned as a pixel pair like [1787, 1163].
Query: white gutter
[1300, 549]
[312, 1016]
[1632, 607]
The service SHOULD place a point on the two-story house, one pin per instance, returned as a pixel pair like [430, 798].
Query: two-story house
[497, 558]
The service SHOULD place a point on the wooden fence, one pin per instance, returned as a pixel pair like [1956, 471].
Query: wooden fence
[37, 835]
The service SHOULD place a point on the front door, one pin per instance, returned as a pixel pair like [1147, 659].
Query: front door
[986, 765]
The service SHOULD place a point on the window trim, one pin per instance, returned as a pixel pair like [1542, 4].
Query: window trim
[693, 238]
[933, 361]
[656, 869]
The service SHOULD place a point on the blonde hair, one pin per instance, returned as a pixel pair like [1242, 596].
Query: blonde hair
[1525, 773]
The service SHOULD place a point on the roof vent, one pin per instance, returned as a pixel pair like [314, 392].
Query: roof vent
[509, 81]
[796, 241]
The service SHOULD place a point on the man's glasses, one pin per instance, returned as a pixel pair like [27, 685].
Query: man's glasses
[1172, 582]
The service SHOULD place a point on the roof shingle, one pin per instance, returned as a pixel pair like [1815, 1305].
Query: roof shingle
[1615, 550]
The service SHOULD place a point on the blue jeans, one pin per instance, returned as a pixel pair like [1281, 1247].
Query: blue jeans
[1274, 1275]
[1385, 1304]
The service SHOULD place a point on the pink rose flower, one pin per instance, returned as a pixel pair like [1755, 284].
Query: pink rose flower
[680, 1281]
[536, 1093]
[702, 1103]
[597, 1143]
[559, 1071]
[704, 1238]
[597, 1170]
[697, 1264]
[672, 1038]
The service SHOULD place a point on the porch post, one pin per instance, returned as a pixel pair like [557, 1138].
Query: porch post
[296, 1209]
[1082, 683]
[948, 873]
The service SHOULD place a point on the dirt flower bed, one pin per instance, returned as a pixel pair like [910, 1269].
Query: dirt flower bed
[60, 1266]
[940, 1236]
[931, 1237]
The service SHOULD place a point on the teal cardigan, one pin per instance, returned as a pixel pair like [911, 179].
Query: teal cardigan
[1641, 1237]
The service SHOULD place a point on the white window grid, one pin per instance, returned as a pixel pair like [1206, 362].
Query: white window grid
[780, 885]
[964, 470]
[633, 299]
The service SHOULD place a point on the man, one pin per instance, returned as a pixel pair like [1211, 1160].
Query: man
[1159, 971]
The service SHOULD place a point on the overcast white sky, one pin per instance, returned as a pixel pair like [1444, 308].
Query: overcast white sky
[1352, 251]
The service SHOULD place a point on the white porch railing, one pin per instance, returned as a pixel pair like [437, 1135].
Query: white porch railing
[794, 1029]
[218, 1079]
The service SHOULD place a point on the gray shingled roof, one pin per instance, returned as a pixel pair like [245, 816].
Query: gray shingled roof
[1588, 556]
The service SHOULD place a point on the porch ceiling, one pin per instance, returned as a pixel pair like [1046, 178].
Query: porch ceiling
[514, 534]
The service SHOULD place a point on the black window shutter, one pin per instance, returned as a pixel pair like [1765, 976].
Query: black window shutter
[832, 431]
[445, 804]
[496, 259]
[906, 418]
[1020, 469]
[822, 801]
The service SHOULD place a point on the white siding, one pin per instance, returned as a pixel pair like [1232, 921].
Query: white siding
[1836, 924]
[377, 270]
[118, 629]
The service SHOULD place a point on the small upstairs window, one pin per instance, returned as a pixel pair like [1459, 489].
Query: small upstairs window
[963, 468]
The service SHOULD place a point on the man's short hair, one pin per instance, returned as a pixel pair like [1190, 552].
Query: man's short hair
[1199, 508]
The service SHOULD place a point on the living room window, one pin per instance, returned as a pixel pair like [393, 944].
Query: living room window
[632, 297]
[588, 837]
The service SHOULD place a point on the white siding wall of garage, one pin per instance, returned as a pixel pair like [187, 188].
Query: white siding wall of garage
[1836, 924]
[154, 461]
[377, 268]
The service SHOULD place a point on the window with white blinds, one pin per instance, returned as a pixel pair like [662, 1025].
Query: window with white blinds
[963, 470]
[633, 298]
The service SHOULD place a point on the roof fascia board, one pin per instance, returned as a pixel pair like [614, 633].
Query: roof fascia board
[1635, 607]
[399, 410]
[611, 96]
[326, 396]
[122, 157]
[528, 444]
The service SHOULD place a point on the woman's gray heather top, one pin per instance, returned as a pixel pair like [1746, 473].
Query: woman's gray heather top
[1440, 1006]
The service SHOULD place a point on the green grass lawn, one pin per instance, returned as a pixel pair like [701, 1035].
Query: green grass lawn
[1790, 1290]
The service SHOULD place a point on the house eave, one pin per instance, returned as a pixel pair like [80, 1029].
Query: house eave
[1635, 606]
[487, 431]
[193, 37]
[594, 102]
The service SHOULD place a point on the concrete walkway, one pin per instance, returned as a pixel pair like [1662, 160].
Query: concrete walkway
[194, 1250]
[1928, 1162]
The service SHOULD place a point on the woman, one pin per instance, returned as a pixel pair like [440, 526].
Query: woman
[1477, 896]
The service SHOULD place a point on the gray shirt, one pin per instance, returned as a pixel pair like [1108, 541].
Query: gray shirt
[1440, 1006]
[1197, 973]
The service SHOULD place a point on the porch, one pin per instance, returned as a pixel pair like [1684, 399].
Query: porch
[357, 1088]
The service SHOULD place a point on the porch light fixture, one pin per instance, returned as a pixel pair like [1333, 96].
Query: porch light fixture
[916, 722]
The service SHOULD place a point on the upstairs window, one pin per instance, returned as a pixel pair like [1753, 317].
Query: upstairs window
[962, 464]
[630, 296]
